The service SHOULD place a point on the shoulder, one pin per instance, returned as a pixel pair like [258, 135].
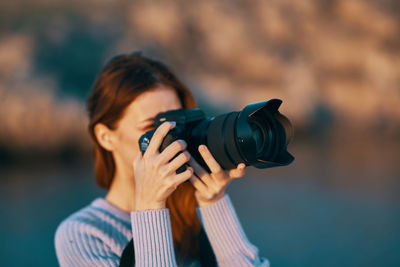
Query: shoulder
[85, 216]
[89, 235]
[80, 223]
[94, 223]
[95, 219]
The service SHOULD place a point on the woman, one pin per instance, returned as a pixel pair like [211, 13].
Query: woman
[173, 219]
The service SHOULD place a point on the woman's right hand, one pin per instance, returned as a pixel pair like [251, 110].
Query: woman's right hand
[155, 176]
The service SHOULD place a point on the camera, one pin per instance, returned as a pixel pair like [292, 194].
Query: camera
[258, 135]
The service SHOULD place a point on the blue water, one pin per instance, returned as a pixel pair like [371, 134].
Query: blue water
[318, 211]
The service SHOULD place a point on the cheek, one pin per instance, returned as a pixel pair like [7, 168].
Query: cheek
[128, 146]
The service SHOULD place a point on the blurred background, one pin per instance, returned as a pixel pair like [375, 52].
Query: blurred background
[334, 63]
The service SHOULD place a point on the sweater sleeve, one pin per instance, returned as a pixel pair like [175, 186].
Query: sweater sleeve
[152, 238]
[227, 238]
[77, 246]
[78, 243]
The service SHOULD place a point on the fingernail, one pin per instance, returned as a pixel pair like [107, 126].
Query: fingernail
[183, 142]
[242, 165]
[173, 123]
[202, 148]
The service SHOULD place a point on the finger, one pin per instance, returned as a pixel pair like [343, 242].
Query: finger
[238, 172]
[202, 174]
[181, 177]
[178, 162]
[198, 184]
[158, 137]
[171, 150]
[198, 170]
[209, 159]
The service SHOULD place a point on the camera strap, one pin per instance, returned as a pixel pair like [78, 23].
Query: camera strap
[128, 256]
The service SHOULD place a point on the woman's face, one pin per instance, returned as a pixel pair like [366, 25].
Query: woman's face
[138, 118]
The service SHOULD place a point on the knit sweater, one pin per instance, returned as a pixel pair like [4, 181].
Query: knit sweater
[97, 234]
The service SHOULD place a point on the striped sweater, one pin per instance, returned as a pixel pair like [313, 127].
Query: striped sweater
[97, 234]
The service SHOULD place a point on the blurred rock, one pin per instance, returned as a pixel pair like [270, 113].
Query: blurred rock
[337, 58]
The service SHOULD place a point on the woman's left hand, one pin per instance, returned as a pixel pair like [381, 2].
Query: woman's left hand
[211, 186]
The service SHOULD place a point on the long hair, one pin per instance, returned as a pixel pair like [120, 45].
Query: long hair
[123, 79]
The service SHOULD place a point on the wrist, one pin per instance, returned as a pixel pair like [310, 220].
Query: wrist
[149, 206]
[205, 202]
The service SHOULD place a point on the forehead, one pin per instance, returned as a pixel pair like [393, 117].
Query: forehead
[150, 103]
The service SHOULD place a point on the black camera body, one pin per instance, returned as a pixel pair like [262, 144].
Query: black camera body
[257, 136]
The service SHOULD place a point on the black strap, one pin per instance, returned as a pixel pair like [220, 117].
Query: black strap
[128, 256]
[206, 253]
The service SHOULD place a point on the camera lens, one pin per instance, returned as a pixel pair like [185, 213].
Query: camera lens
[259, 137]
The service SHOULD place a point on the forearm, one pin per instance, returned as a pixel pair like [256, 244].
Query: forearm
[152, 238]
[227, 238]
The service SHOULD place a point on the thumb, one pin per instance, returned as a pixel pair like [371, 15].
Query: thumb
[238, 172]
